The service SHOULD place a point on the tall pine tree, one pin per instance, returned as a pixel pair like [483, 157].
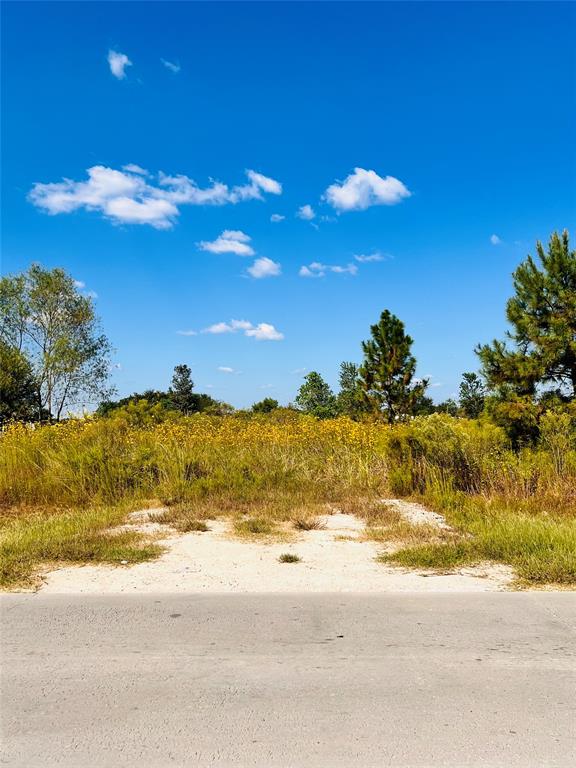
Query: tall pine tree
[542, 314]
[181, 392]
[387, 372]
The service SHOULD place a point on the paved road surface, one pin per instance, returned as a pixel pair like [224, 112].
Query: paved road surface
[289, 680]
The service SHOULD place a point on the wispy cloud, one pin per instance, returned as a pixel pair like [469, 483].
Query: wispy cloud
[172, 66]
[306, 212]
[363, 189]
[495, 240]
[276, 217]
[230, 241]
[260, 332]
[133, 168]
[81, 286]
[126, 197]
[264, 267]
[317, 269]
[227, 369]
[118, 62]
[187, 333]
[367, 258]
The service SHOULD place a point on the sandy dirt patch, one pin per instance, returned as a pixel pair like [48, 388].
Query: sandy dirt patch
[334, 559]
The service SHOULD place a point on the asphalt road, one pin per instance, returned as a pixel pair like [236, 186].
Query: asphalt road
[289, 680]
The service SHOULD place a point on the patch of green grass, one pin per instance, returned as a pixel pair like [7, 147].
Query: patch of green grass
[433, 556]
[540, 548]
[78, 536]
[288, 557]
[254, 526]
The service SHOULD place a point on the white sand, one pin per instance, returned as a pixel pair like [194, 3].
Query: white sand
[334, 559]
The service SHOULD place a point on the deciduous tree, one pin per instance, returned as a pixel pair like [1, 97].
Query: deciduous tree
[45, 317]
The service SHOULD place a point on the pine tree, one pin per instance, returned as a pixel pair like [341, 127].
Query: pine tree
[542, 314]
[349, 398]
[315, 397]
[387, 373]
[472, 395]
[181, 392]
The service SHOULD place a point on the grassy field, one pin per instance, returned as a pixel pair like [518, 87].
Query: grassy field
[63, 487]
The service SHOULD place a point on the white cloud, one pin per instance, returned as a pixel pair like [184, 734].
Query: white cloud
[253, 191]
[127, 197]
[171, 66]
[363, 258]
[81, 285]
[230, 241]
[118, 63]
[265, 183]
[276, 217]
[260, 332]
[265, 332]
[133, 168]
[495, 240]
[362, 189]
[317, 269]
[264, 267]
[226, 369]
[306, 212]
[187, 333]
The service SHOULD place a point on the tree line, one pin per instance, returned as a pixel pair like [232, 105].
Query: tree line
[54, 357]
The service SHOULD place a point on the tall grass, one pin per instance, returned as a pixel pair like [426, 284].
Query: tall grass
[224, 459]
[517, 508]
[513, 507]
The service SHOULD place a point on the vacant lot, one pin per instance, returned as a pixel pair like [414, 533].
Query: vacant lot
[67, 489]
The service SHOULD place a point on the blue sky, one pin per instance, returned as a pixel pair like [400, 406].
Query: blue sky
[460, 116]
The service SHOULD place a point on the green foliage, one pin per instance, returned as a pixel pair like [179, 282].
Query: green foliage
[472, 395]
[558, 435]
[265, 406]
[424, 406]
[288, 557]
[162, 404]
[542, 314]
[442, 449]
[449, 406]
[517, 414]
[181, 392]
[151, 396]
[67, 537]
[18, 393]
[349, 400]
[315, 397]
[387, 372]
[44, 317]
